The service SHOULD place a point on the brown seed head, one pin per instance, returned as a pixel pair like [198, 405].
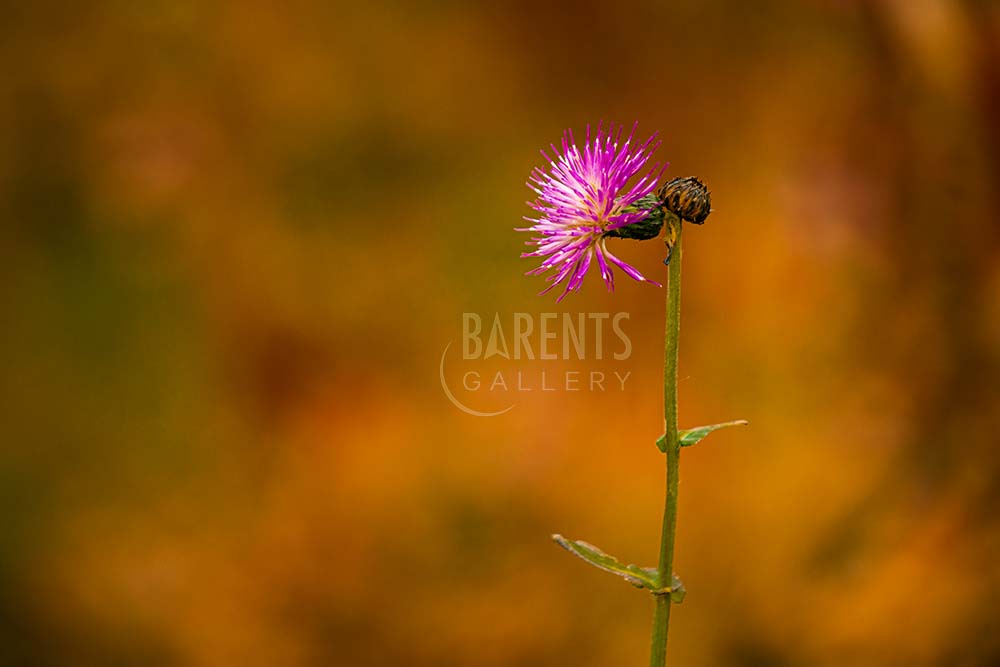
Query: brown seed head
[687, 198]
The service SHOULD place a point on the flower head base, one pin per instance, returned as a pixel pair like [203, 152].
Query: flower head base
[583, 196]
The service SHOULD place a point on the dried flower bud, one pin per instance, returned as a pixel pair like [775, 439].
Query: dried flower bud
[688, 198]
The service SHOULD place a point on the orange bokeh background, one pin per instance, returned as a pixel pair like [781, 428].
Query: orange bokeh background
[238, 236]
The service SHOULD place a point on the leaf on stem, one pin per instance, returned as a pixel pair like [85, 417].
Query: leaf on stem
[693, 436]
[640, 577]
[677, 590]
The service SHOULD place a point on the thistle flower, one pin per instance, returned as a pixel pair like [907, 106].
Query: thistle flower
[581, 198]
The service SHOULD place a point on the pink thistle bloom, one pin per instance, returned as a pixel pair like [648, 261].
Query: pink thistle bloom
[582, 197]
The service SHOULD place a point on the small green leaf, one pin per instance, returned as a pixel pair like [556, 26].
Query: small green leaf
[677, 590]
[693, 436]
[640, 577]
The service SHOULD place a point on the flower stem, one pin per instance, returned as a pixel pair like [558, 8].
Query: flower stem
[661, 614]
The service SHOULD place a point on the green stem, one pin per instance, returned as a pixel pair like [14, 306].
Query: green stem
[661, 614]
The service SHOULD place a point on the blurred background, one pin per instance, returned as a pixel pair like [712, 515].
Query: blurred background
[237, 237]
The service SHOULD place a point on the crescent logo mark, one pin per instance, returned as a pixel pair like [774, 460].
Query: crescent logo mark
[455, 401]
